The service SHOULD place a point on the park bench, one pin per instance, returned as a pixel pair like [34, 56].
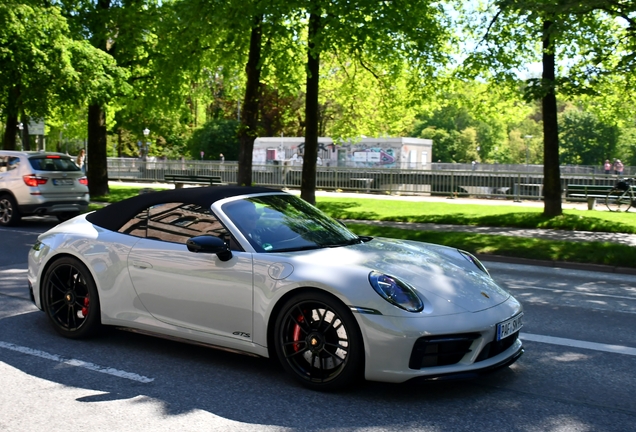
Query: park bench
[589, 193]
[181, 179]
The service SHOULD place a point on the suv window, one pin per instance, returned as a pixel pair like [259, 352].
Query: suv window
[53, 163]
[174, 222]
[8, 163]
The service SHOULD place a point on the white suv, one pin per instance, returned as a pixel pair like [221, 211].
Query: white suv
[38, 183]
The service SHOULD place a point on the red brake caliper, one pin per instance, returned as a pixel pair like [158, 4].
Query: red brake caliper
[85, 308]
[296, 346]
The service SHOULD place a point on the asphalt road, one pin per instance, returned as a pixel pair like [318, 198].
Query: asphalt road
[577, 373]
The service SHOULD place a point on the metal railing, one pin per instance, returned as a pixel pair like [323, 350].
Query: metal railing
[510, 184]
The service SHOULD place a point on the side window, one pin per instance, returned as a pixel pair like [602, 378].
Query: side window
[174, 222]
[8, 163]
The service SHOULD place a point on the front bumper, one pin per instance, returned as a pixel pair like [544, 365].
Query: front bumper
[390, 342]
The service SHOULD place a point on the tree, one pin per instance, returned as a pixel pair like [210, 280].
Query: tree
[385, 34]
[43, 66]
[580, 32]
[112, 27]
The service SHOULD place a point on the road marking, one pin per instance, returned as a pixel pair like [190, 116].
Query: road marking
[74, 362]
[616, 349]
[562, 291]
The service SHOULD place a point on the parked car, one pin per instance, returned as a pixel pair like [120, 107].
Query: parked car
[40, 183]
[262, 272]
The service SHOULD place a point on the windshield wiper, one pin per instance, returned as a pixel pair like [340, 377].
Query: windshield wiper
[349, 242]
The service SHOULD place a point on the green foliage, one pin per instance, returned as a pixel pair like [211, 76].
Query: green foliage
[215, 137]
[585, 140]
[51, 68]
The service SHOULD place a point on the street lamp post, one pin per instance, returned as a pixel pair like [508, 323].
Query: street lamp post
[527, 138]
[146, 146]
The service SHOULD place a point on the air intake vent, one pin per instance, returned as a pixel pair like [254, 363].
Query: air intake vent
[497, 347]
[441, 350]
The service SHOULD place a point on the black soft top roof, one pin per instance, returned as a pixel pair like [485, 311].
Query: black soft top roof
[114, 216]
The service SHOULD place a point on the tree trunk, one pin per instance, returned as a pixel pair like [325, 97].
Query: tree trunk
[97, 170]
[551, 169]
[26, 138]
[12, 118]
[308, 184]
[249, 115]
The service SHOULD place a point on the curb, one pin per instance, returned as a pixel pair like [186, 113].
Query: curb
[558, 264]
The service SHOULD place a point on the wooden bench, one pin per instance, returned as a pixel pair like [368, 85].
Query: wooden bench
[181, 179]
[589, 193]
[578, 192]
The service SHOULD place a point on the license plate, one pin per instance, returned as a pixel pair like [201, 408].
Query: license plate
[509, 327]
[63, 182]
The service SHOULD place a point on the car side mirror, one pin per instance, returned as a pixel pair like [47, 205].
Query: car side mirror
[210, 244]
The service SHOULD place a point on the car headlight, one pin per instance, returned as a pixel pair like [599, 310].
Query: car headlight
[396, 292]
[473, 259]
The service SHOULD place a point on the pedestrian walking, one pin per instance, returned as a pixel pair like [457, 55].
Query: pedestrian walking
[607, 167]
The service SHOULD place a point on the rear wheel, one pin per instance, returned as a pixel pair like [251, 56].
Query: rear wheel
[9, 213]
[70, 299]
[618, 200]
[318, 341]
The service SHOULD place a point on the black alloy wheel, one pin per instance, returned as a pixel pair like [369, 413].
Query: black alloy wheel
[9, 213]
[70, 299]
[318, 341]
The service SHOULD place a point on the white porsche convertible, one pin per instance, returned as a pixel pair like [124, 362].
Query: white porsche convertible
[261, 272]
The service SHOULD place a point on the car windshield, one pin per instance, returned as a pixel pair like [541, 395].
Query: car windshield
[53, 163]
[282, 223]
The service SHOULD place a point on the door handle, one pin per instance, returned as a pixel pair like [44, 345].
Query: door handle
[141, 265]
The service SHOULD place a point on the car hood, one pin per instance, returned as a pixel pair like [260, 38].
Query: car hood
[436, 272]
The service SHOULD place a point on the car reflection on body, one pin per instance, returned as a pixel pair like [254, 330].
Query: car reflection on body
[262, 272]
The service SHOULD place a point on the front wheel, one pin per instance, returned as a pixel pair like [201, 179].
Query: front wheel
[318, 341]
[618, 200]
[70, 299]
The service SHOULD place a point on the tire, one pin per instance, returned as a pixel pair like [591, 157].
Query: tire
[318, 341]
[9, 213]
[70, 299]
[63, 217]
[618, 200]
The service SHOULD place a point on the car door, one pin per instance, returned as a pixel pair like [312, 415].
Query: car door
[186, 289]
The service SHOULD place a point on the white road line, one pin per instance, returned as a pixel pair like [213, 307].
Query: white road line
[561, 291]
[616, 349]
[74, 362]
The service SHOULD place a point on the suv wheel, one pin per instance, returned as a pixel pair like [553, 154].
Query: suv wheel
[9, 214]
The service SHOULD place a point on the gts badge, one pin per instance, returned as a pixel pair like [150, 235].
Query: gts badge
[242, 334]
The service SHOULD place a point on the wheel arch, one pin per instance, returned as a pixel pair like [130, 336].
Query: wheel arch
[271, 322]
[8, 192]
[52, 261]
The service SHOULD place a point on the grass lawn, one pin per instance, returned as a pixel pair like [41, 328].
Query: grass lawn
[474, 214]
